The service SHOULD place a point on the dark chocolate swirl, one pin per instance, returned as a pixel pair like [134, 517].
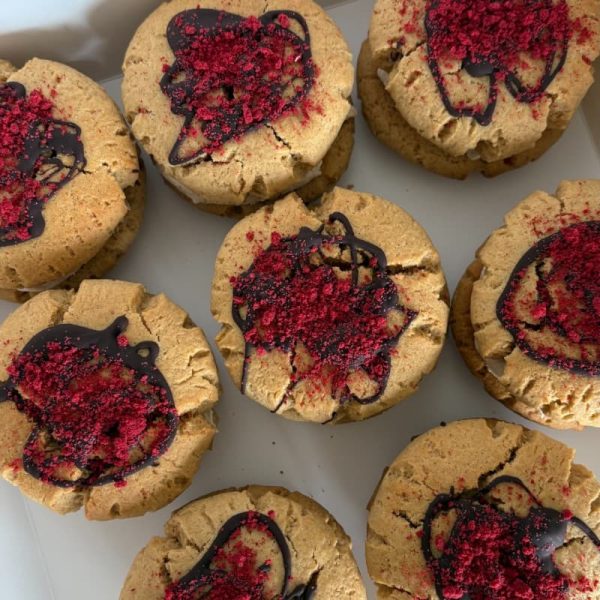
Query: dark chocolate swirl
[374, 297]
[484, 63]
[195, 91]
[543, 531]
[551, 303]
[206, 578]
[81, 418]
[52, 155]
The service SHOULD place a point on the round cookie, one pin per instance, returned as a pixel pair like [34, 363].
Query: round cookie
[526, 314]
[254, 543]
[329, 314]
[472, 85]
[390, 127]
[194, 92]
[72, 195]
[106, 399]
[484, 509]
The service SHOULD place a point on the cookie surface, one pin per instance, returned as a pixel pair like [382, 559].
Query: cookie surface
[255, 543]
[485, 509]
[106, 399]
[495, 76]
[70, 167]
[194, 94]
[332, 314]
[392, 129]
[525, 315]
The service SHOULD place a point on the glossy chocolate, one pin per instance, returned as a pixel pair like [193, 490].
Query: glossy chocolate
[198, 582]
[96, 346]
[53, 155]
[303, 249]
[491, 66]
[566, 265]
[543, 527]
[182, 85]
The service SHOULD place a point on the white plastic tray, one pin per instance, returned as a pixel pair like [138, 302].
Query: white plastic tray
[44, 556]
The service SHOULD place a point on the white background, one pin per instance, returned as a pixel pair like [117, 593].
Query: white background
[45, 556]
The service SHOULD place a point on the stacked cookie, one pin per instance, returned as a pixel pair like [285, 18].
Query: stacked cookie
[332, 303]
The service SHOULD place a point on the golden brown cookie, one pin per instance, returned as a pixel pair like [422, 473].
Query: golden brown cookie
[485, 509]
[526, 314]
[329, 314]
[480, 81]
[72, 195]
[389, 126]
[194, 92]
[257, 542]
[106, 400]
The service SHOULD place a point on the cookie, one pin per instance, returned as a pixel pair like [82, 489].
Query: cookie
[329, 314]
[194, 92]
[484, 86]
[106, 399]
[72, 195]
[526, 314]
[484, 509]
[390, 127]
[253, 543]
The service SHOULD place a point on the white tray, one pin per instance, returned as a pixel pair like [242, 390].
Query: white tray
[45, 556]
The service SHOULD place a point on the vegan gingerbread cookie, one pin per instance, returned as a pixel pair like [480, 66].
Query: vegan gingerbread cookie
[332, 314]
[241, 101]
[484, 509]
[526, 314]
[106, 399]
[256, 543]
[71, 191]
[462, 86]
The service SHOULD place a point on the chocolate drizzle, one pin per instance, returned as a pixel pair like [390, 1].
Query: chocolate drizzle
[198, 583]
[307, 252]
[543, 527]
[52, 155]
[565, 271]
[217, 104]
[491, 65]
[54, 446]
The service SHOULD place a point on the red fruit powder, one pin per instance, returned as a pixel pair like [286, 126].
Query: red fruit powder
[242, 75]
[18, 188]
[90, 412]
[293, 297]
[234, 573]
[481, 560]
[567, 303]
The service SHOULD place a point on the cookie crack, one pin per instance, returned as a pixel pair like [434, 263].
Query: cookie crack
[278, 137]
[401, 514]
[409, 595]
[512, 455]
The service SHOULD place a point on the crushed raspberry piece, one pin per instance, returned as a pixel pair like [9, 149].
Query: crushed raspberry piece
[37, 156]
[304, 295]
[497, 32]
[560, 323]
[232, 74]
[231, 569]
[498, 40]
[95, 418]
